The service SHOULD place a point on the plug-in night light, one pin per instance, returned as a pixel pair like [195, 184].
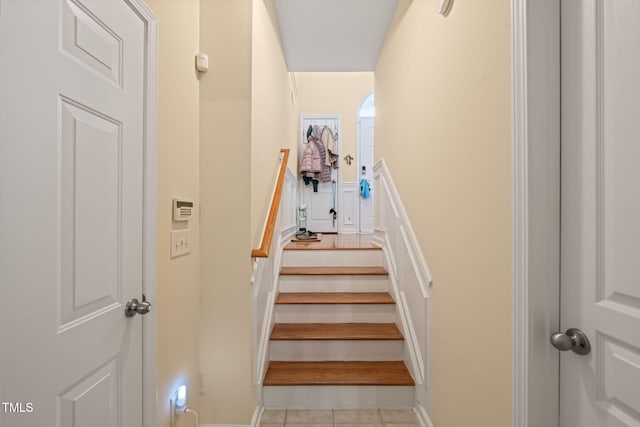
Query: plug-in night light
[181, 400]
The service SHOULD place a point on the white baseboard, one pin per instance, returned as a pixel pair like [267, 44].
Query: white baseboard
[423, 416]
[257, 414]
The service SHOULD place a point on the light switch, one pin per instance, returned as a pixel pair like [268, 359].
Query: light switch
[180, 243]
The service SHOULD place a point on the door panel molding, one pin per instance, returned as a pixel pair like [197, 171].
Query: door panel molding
[87, 135]
[91, 41]
[101, 385]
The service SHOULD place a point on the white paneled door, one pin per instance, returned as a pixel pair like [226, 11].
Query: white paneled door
[72, 175]
[321, 203]
[600, 253]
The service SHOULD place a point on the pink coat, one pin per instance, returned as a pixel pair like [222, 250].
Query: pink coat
[311, 161]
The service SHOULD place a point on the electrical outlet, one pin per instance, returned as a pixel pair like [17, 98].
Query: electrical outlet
[180, 243]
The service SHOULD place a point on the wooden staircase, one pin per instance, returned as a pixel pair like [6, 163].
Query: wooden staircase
[335, 342]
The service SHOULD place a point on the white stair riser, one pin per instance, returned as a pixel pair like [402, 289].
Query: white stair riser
[332, 258]
[335, 313]
[337, 350]
[338, 397]
[302, 283]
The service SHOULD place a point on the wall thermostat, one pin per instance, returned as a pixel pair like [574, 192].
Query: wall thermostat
[182, 209]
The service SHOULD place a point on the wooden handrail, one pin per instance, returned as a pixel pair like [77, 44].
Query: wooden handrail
[267, 237]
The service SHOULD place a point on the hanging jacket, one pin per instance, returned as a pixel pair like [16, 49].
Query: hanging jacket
[329, 142]
[365, 188]
[311, 161]
[325, 173]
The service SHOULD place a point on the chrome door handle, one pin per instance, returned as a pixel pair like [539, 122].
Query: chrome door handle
[134, 307]
[574, 339]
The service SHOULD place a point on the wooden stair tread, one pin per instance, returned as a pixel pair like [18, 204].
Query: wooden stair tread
[336, 331]
[353, 373]
[334, 298]
[333, 271]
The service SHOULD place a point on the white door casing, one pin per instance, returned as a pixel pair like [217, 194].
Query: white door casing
[365, 158]
[600, 211]
[77, 165]
[320, 203]
[535, 57]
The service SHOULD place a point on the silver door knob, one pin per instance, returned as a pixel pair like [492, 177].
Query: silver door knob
[134, 307]
[574, 339]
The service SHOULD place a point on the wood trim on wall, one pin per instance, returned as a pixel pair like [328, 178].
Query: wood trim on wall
[267, 237]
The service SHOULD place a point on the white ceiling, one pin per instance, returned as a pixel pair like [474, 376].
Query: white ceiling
[333, 35]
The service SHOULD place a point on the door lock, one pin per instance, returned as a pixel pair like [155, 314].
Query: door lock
[134, 307]
[574, 339]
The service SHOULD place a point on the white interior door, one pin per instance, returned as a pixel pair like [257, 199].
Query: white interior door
[72, 131]
[320, 203]
[365, 159]
[600, 250]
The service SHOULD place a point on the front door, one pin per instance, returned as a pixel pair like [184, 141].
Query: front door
[600, 213]
[72, 156]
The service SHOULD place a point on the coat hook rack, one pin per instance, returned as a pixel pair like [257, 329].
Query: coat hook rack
[348, 158]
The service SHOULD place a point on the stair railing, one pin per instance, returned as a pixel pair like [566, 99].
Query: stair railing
[267, 259]
[267, 236]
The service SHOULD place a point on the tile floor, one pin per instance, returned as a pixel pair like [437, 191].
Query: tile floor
[339, 418]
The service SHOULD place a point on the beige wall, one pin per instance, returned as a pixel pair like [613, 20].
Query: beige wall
[178, 150]
[337, 93]
[228, 396]
[443, 127]
[273, 113]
